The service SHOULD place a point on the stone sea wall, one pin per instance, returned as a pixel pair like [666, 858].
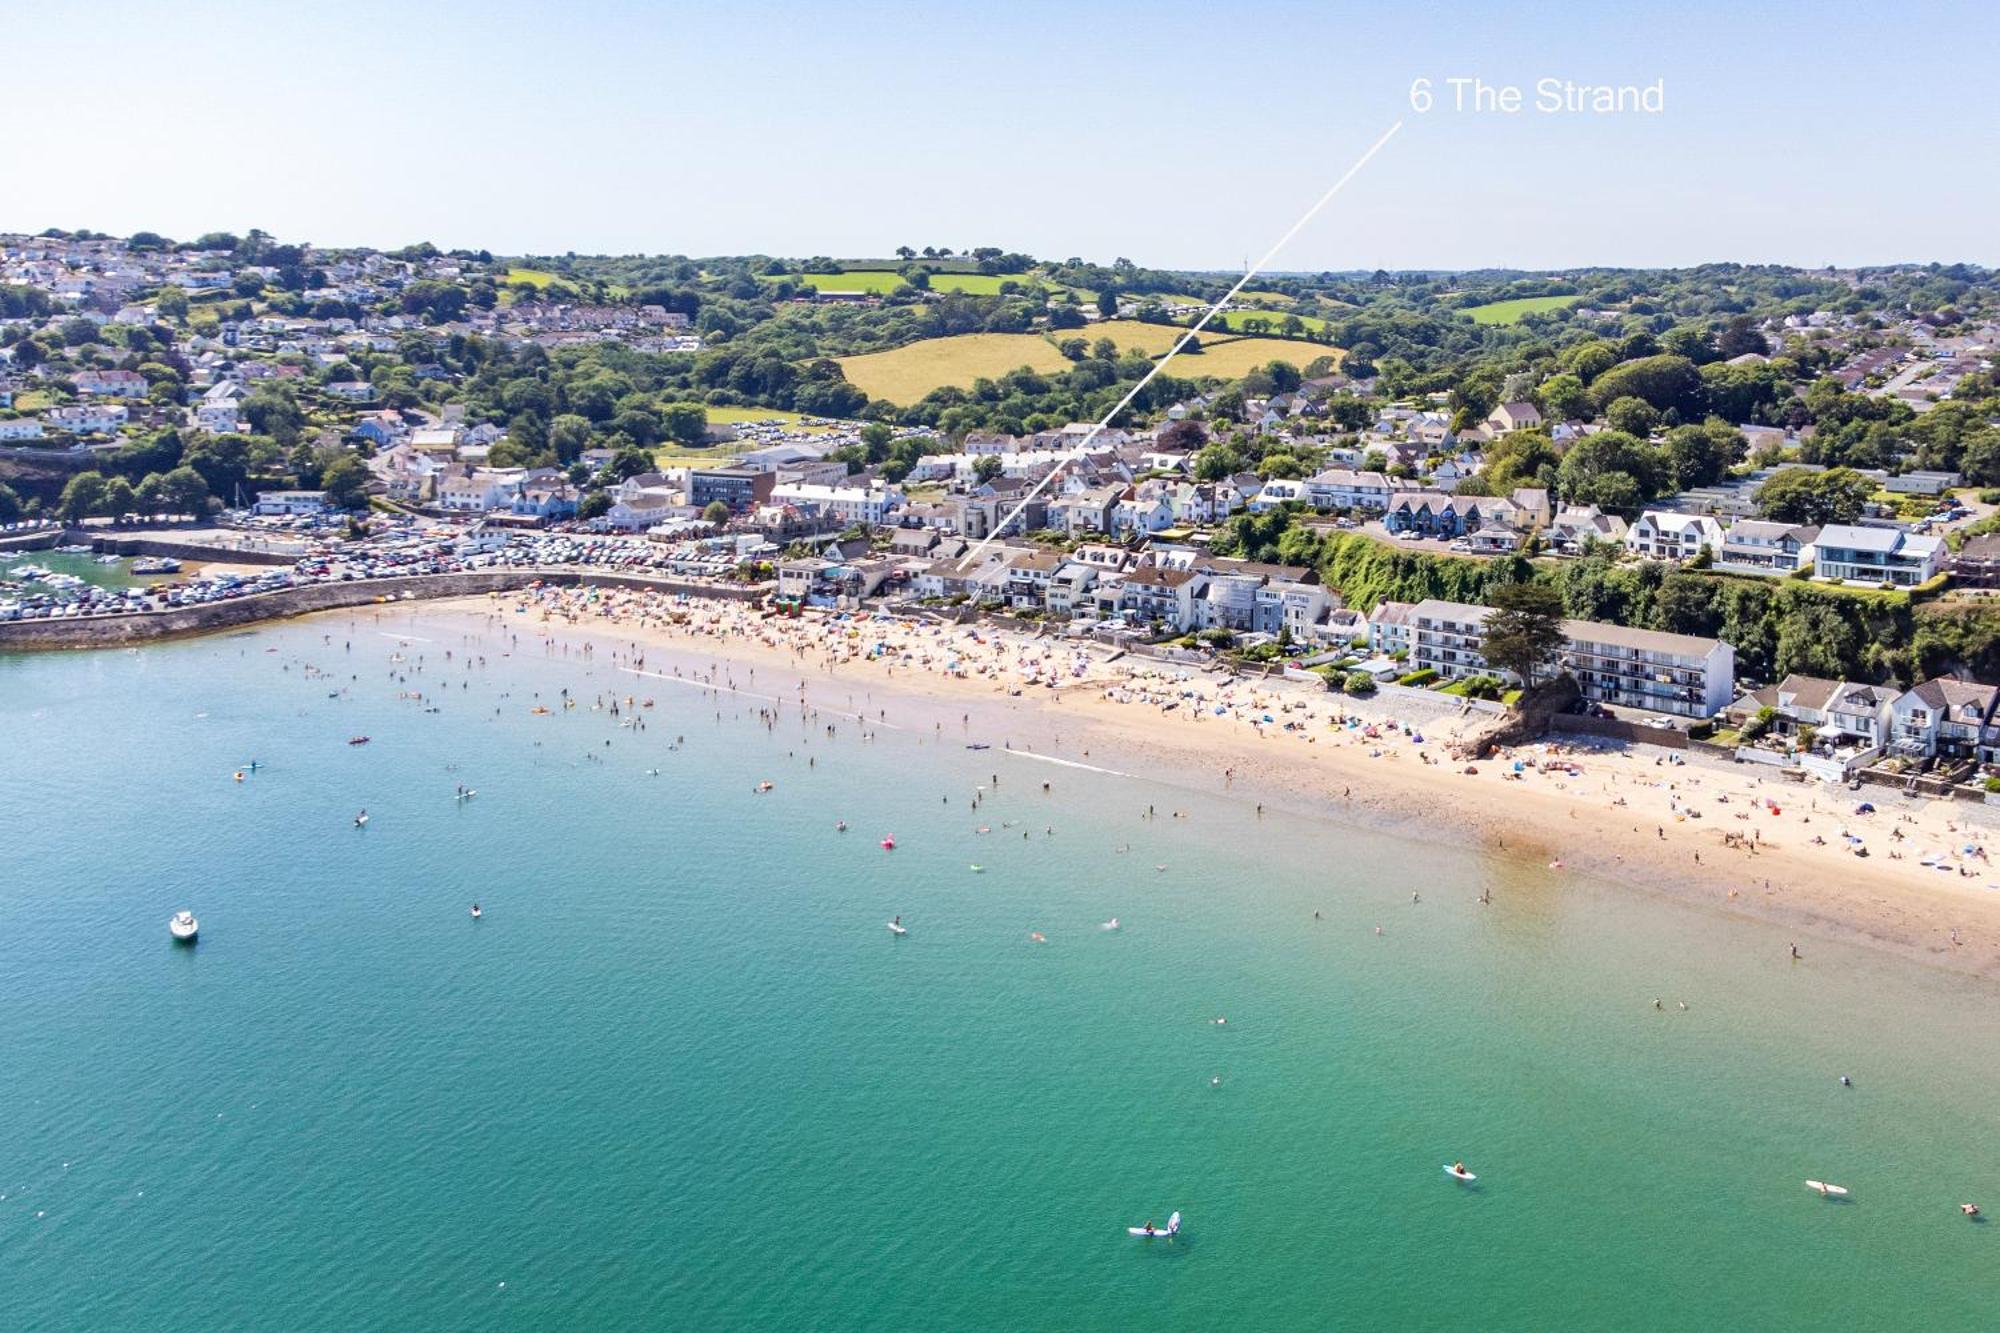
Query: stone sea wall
[145, 626]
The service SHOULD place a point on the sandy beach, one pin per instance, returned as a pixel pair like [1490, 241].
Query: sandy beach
[1732, 839]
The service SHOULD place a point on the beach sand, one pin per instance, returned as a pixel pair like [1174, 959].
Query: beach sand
[1731, 839]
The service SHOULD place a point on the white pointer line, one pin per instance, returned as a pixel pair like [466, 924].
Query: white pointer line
[1183, 341]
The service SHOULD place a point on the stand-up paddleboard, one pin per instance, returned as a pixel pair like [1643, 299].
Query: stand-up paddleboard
[1826, 1190]
[1457, 1174]
[895, 929]
[1172, 1228]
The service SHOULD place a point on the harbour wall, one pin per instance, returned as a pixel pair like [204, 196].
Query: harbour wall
[145, 626]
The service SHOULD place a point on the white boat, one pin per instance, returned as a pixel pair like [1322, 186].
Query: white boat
[1172, 1228]
[1827, 1191]
[184, 927]
[898, 928]
[1459, 1173]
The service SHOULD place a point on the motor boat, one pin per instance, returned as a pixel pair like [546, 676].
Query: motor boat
[184, 927]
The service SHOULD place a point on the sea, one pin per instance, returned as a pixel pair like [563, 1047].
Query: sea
[680, 1075]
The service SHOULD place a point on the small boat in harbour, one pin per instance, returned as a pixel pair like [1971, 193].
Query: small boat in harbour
[183, 927]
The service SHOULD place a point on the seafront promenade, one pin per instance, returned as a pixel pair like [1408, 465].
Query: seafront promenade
[144, 626]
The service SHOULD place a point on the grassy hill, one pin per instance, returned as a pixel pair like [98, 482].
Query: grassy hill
[1234, 357]
[880, 282]
[1510, 312]
[905, 374]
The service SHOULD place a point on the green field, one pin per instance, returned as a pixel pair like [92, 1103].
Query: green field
[880, 282]
[533, 276]
[1510, 312]
[1233, 320]
[734, 416]
[1239, 356]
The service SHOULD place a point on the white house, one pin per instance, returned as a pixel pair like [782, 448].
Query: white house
[1663, 535]
[23, 428]
[1340, 488]
[287, 503]
[849, 504]
[86, 417]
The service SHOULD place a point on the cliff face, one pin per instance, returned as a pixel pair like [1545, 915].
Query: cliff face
[1526, 721]
[116, 631]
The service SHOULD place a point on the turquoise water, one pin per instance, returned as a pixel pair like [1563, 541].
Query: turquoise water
[680, 1076]
[84, 567]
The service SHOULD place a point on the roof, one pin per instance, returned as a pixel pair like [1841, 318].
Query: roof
[1808, 692]
[1885, 541]
[1944, 693]
[1645, 640]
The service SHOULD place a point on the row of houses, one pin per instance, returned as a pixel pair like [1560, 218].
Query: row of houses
[1853, 723]
[1174, 588]
[1837, 552]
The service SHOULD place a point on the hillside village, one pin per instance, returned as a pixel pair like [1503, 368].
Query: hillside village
[1850, 447]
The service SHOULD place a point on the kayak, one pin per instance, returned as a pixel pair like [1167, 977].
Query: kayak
[1829, 1191]
[1172, 1228]
[1457, 1174]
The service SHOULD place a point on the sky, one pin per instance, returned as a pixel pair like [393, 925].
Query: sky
[1180, 135]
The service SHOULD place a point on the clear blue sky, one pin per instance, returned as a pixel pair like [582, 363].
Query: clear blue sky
[1186, 135]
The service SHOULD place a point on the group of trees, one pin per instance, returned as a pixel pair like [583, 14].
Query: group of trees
[1777, 626]
[93, 495]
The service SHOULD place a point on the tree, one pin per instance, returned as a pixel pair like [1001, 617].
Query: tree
[183, 491]
[716, 514]
[1183, 435]
[1700, 455]
[1215, 462]
[172, 303]
[150, 494]
[569, 436]
[222, 460]
[1634, 416]
[10, 503]
[685, 423]
[82, 497]
[118, 499]
[274, 412]
[1611, 469]
[1667, 382]
[905, 252]
[345, 481]
[595, 504]
[1524, 631]
[1563, 398]
[1800, 495]
[986, 467]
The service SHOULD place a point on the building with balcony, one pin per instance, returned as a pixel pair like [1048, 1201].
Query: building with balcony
[1645, 669]
[1847, 554]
